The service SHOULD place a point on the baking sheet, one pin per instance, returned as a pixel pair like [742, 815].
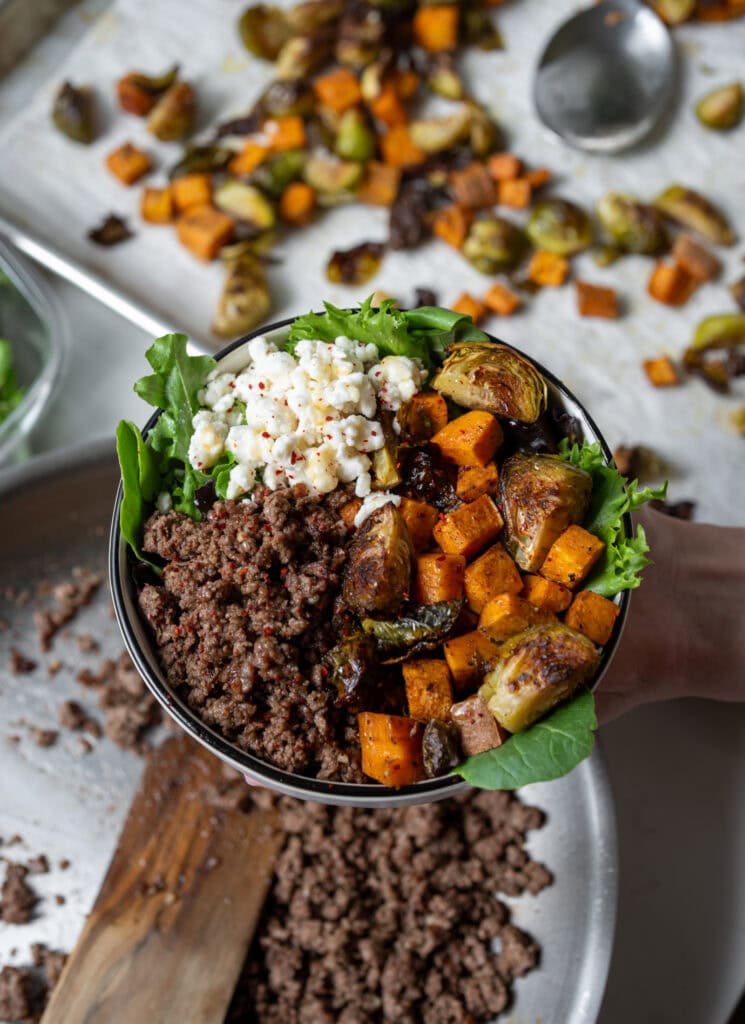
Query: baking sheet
[54, 514]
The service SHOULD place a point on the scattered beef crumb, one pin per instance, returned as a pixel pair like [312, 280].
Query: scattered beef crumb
[130, 710]
[38, 865]
[74, 716]
[13, 738]
[19, 664]
[60, 900]
[53, 667]
[50, 961]
[25, 991]
[387, 916]
[85, 745]
[70, 597]
[43, 737]
[87, 644]
[64, 864]
[17, 898]
[15, 840]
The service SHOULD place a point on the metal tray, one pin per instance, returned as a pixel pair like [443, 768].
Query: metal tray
[54, 514]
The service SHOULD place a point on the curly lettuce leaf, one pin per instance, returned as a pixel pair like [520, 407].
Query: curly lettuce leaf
[624, 558]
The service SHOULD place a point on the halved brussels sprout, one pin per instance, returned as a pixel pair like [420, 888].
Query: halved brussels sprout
[634, 226]
[311, 14]
[443, 77]
[419, 629]
[385, 459]
[275, 174]
[245, 300]
[254, 244]
[559, 226]
[73, 112]
[494, 378]
[485, 132]
[334, 180]
[360, 36]
[287, 99]
[494, 244]
[721, 109]
[537, 669]
[437, 133]
[541, 496]
[355, 139]
[246, 203]
[479, 30]
[264, 30]
[377, 576]
[692, 210]
[356, 265]
[303, 54]
[723, 330]
[440, 748]
[173, 115]
[352, 671]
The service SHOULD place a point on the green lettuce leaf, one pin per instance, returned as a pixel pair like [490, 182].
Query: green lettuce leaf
[546, 750]
[621, 564]
[140, 483]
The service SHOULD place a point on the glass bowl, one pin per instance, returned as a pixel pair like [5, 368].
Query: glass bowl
[32, 321]
[139, 642]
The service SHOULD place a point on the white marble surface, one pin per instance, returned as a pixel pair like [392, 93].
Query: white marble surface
[678, 770]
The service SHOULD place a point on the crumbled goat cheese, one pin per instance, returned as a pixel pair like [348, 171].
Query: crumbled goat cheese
[373, 502]
[303, 418]
[164, 502]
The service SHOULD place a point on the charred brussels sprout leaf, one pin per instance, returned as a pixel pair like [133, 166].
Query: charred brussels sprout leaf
[479, 30]
[111, 231]
[559, 226]
[419, 629]
[201, 160]
[443, 77]
[634, 226]
[246, 203]
[493, 378]
[73, 112]
[352, 671]
[360, 36]
[425, 476]
[438, 133]
[440, 748]
[721, 109]
[537, 669]
[245, 300]
[494, 244]
[275, 174]
[356, 265]
[303, 54]
[377, 575]
[334, 180]
[541, 496]
[264, 30]
[723, 330]
[304, 17]
[694, 211]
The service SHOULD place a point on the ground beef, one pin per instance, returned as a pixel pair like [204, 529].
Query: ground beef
[19, 664]
[74, 716]
[17, 898]
[25, 991]
[387, 916]
[69, 598]
[245, 617]
[43, 737]
[129, 708]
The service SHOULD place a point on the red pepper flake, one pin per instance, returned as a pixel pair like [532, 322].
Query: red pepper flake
[268, 631]
[329, 419]
[293, 458]
[265, 433]
[283, 571]
[262, 385]
[373, 433]
[324, 671]
[440, 558]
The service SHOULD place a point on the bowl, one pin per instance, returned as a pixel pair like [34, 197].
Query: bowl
[141, 647]
[33, 322]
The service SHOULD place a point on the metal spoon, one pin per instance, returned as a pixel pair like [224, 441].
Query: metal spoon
[606, 76]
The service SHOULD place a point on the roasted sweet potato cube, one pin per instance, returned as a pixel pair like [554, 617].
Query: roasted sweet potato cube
[284, 133]
[469, 656]
[473, 186]
[538, 177]
[546, 594]
[493, 573]
[593, 615]
[470, 306]
[429, 689]
[451, 224]
[248, 159]
[420, 519]
[203, 230]
[469, 529]
[297, 203]
[695, 258]
[338, 90]
[516, 194]
[133, 96]
[425, 415]
[504, 166]
[507, 614]
[478, 728]
[501, 300]
[661, 372]
[594, 300]
[473, 481]
[671, 284]
[439, 577]
[571, 556]
[548, 269]
[128, 163]
[380, 184]
[156, 205]
[391, 748]
[471, 439]
[191, 190]
[436, 28]
[388, 108]
[399, 149]
[349, 512]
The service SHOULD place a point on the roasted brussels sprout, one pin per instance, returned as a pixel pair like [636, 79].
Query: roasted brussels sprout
[172, 117]
[385, 459]
[355, 139]
[264, 30]
[494, 378]
[408, 222]
[541, 496]
[246, 203]
[275, 174]
[287, 99]
[440, 748]
[606, 255]
[356, 265]
[245, 299]
[360, 36]
[425, 476]
[139, 93]
[537, 669]
[414, 631]
[111, 231]
[634, 226]
[334, 180]
[479, 30]
[692, 210]
[443, 77]
[485, 133]
[352, 666]
[559, 226]
[311, 14]
[674, 12]
[373, 76]
[303, 54]
[494, 244]
[723, 330]
[438, 133]
[721, 109]
[201, 160]
[73, 112]
[377, 575]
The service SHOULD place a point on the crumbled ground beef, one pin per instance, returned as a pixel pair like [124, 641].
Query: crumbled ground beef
[389, 916]
[19, 664]
[69, 598]
[74, 716]
[38, 865]
[43, 737]
[244, 619]
[25, 991]
[17, 898]
[129, 708]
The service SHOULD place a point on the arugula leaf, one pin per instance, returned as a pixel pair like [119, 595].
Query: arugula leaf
[221, 473]
[546, 750]
[421, 333]
[620, 565]
[10, 393]
[140, 483]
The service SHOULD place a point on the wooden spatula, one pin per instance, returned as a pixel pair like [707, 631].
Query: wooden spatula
[171, 926]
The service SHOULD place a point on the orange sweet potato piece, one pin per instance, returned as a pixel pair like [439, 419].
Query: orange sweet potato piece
[285, 133]
[501, 300]
[493, 573]
[671, 284]
[594, 300]
[380, 185]
[695, 258]
[248, 159]
[420, 519]
[128, 163]
[451, 224]
[516, 194]
[391, 748]
[191, 190]
[297, 203]
[156, 205]
[399, 149]
[429, 689]
[473, 481]
[661, 372]
[425, 415]
[593, 615]
[538, 177]
[349, 511]
[478, 728]
[436, 28]
[473, 186]
[571, 556]
[469, 529]
[470, 440]
[548, 269]
[338, 90]
[507, 614]
[504, 166]
[405, 82]
[471, 306]
[546, 594]
[388, 108]
[439, 577]
[469, 657]
[133, 96]
[203, 230]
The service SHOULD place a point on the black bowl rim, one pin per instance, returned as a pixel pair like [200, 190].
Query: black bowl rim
[278, 778]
